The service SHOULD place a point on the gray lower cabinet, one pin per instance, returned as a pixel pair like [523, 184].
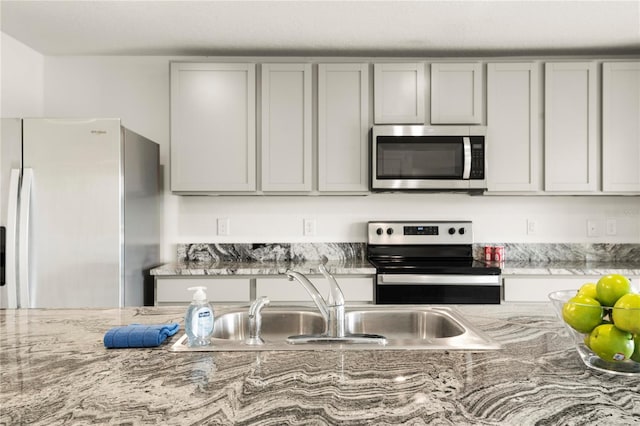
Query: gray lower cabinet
[173, 290]
[356, 289]
[536, 288]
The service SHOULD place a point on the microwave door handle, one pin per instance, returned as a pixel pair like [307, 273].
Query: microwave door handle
[466, 170]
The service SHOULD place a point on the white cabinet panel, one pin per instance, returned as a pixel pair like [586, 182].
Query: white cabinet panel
[537, 288]
[456, 93]
[514, 145]
[213, 142]
[399, 93]
[570, 127]
[174, 290]
[283, 290]
[621, 127]
[343, 126]
[286, 127]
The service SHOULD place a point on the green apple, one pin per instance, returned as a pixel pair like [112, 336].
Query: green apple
[589, 290]
[582, 313]
[636, 348]
[611, 343]
[626, 313]
[611, 287]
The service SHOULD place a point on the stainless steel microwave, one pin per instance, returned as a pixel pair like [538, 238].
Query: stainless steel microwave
[429, 158]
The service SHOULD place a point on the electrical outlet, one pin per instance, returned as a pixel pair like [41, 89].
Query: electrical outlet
[593, 230]
[612, 226]
[224, 226]
[532, 227]
[309, 226]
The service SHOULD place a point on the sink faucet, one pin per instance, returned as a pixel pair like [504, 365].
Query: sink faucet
[332, 309]
[255, 321]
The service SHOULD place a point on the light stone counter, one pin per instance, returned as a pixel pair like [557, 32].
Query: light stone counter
[258, 269]
[55, 371]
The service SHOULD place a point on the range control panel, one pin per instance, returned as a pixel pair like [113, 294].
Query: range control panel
[409, 232]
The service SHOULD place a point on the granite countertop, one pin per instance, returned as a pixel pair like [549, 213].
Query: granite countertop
[259, 268]
[363, 267]
[628, 268]
[56, 371]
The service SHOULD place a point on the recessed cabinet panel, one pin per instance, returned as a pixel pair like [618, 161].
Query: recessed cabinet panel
[456, 93]
[621, 127]
[213, 142]
[570, 127]
[283, 290]
[343, 125]
[172, 290]
[286, 127]
[399, 93]
[514, 144]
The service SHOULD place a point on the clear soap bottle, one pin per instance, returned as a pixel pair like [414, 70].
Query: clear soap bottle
[198, 321]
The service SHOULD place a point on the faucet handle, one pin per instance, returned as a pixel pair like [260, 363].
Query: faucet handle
[335, 293]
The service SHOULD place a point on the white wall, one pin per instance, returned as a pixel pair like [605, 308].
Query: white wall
[22, 79]
[136, 89]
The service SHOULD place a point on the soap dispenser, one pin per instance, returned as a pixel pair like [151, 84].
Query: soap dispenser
[198, 321]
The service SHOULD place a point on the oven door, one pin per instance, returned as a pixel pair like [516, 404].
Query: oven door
[437, 289]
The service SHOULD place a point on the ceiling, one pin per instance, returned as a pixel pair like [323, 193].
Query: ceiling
[319, 28]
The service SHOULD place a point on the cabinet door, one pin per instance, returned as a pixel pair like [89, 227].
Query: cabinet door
[399, 93]
[570, 127]
[456, 93]
[286, 127]
[174, 290]
[620, 129]
[213, 142]
[514, 145]
[343, 126]
[354, 289]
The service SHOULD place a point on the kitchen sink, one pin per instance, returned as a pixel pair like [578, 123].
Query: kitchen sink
[277, 324]
[404, 327]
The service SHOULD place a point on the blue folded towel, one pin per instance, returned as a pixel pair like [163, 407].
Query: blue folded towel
[139, 335]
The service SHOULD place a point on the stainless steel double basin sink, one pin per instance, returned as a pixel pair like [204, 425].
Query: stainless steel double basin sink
[404, 327]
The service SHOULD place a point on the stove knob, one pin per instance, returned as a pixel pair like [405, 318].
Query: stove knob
[452, 231]
[461, 231]
[390, 231]
[379, 231]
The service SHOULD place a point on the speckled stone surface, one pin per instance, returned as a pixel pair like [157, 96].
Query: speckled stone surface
[350, 259]
[55, 371]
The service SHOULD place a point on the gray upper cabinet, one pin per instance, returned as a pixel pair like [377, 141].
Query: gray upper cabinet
[213, 134]
[456, 93]
[620, 127]
[343, 127]
[399, 93]
[571, 142]
[514, 148]
[286, 127]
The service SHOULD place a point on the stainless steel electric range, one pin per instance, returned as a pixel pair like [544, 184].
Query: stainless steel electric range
[429, 262]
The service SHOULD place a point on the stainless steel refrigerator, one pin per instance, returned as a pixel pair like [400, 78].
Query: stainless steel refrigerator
[80, 213]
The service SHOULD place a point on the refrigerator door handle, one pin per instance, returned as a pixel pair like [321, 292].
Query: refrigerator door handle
[24, 299]
[11, 272]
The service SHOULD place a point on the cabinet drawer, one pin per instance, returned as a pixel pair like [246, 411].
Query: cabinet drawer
[537, 288]
[175, 290]
[283, 290]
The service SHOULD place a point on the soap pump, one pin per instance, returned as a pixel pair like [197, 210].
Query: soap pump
[198, 321]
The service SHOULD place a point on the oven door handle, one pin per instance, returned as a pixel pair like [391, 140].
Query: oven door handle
[466, 170]
[439, 279]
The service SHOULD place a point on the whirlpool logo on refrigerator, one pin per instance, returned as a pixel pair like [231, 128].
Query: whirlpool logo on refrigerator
[98, 132]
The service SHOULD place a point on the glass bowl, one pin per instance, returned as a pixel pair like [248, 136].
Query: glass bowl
[590, 359]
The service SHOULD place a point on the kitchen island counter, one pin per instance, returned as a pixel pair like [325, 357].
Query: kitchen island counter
[55, 370]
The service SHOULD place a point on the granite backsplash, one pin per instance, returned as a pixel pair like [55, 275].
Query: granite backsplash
[301, 252]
